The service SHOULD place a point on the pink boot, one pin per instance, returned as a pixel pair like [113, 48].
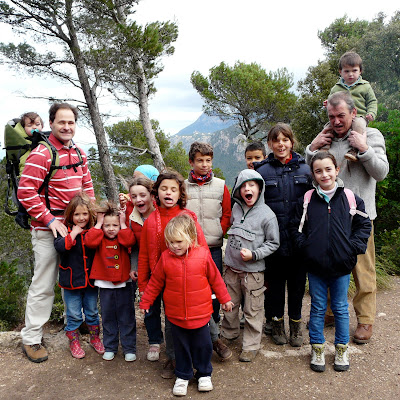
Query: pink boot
[95, 341]
[74, 345]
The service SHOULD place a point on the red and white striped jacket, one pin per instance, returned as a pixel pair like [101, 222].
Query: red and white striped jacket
[63, 186]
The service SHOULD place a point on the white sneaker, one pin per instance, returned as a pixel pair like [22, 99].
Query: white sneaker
[317, 357]
[205, 384]
[108, 356]
[342, 362]
[180, 387]
[154, 352]
[130, 357]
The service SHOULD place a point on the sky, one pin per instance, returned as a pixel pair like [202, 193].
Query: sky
[273, 34]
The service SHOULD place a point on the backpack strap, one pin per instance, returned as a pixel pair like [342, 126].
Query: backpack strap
[353, 204]
[55, 166]
[307, 198]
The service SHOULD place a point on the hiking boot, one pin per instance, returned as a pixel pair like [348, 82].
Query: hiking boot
[180, 387]
[204, 384]
[248, 355]
[268, 327]
[351, 155]
[317, 363]
[296, 335]
[154, 352]
[95, 340]
[342, 362]
[35, 352]
[223, 351]
[278, 331]
[363, 333]
[168, 371]
[74, 344]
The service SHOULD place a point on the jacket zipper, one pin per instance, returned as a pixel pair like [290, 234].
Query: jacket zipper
[184, 287]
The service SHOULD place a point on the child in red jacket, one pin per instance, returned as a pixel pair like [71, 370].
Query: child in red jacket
[112, 240]
[185, 272]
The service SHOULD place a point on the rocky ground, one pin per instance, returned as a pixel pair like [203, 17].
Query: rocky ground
[279, 372]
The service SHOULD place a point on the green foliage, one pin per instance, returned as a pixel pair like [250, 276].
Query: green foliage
[246, 93]
[177, 158]
[13, 288]
[310, 116]
[57, 312]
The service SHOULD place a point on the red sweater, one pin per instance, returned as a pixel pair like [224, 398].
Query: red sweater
[63, 186]
[111, 261]
[186, 281]
[152, 242]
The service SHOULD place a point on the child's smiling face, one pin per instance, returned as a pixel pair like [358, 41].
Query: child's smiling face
[168, 193]
[249, 191]
[141, 199]
[81, 216]
[325, 173]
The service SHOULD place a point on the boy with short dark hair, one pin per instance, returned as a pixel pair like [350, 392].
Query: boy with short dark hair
[350, 69]
[209, 198]
[254, 152]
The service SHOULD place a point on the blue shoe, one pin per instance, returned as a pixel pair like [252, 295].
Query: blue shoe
[108, 356]
[130, 357]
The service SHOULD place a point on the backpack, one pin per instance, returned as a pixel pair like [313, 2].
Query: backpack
[18, 146]
[350, 198]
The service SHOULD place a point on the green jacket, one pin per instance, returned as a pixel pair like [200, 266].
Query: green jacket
[363, 96]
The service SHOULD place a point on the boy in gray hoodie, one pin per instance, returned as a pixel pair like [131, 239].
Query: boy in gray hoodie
[254, 235]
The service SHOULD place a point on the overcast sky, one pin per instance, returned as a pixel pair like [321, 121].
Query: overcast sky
[273, 34]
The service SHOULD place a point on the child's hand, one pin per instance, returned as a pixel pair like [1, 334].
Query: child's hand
[246, 254]
[325, 103]
[133, 275]
[122, 219]
[369, 117]
[227, 306]
[144, 312]
[100, 220]
[123, 199]
[76, 230]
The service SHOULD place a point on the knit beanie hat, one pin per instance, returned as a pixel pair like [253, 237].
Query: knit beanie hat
[149, 171]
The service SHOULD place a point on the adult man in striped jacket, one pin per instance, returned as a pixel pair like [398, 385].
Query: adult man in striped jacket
[46, 223]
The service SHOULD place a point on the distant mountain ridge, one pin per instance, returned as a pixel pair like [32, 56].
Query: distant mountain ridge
[226, 138]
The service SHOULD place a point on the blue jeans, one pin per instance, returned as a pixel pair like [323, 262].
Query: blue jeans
[75, 301]
[338, 288]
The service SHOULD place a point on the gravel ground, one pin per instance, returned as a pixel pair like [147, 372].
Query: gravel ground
[278, 372]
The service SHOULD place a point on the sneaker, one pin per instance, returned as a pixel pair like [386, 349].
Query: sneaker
[35, 352]
[205, 384]
[180, 387]
[130, 357]
[248, 355]
[154, 352]
[342, 362]
[317, 357]
[168, 371]
[108, 356]
[223, 351]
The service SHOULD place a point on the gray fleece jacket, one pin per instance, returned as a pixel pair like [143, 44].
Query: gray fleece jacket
[255, 228]
[361, 177]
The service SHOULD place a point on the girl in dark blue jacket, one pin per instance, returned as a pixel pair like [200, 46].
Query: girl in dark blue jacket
[75, 265]
[334, 233]
[287, 177]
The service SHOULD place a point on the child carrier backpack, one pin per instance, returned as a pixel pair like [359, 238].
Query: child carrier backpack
[350, 198]
[18, 146]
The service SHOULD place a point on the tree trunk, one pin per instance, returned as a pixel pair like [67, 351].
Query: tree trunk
[145, 118]
[110, 181]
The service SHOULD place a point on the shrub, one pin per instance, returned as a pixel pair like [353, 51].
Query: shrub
[13, 288]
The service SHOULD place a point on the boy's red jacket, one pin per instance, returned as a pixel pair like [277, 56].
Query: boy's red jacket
[186, 282]
[111, 261]
[152, 241]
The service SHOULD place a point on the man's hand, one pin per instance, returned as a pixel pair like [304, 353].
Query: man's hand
[358, 141]
[58, 226]
[227, 306]
[323, 138]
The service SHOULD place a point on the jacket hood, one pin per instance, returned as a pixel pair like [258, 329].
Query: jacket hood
[244, 176]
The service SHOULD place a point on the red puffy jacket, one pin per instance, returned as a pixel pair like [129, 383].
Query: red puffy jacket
[186, 281]
[152, 242]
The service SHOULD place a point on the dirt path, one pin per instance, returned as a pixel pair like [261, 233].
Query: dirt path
[277, 373]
